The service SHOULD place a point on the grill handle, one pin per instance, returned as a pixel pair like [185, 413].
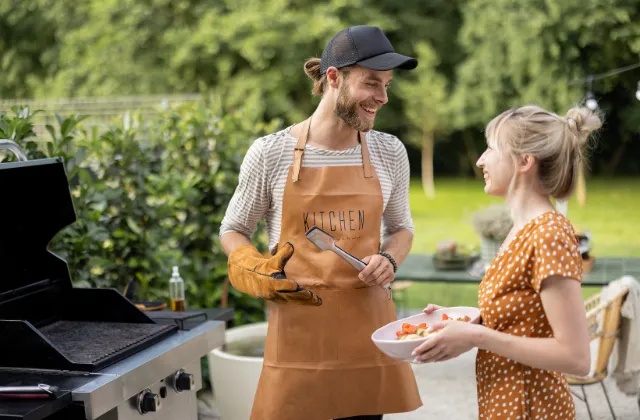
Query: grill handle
[28, 392]
[13, 147]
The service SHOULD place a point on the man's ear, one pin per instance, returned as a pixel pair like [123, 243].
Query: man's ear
[333, 76]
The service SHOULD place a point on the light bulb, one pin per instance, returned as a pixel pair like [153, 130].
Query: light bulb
[591, 103]
[638, 92]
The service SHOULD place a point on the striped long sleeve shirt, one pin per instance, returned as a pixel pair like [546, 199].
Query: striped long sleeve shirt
[263, 175]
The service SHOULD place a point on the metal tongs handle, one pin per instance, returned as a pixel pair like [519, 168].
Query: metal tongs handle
[7, 144]
[39, 391]
[355, 262]
[326, 242]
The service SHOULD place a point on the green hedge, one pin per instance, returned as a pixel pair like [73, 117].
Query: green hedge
[150, 194]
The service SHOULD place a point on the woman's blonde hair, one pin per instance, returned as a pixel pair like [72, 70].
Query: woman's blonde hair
[312, 70]
[558, 143]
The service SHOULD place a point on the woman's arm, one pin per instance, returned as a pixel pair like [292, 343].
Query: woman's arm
[567, 352]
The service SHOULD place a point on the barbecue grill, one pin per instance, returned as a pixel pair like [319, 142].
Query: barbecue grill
[96, 353]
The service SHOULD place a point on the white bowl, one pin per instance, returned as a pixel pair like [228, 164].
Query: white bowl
[386, 340]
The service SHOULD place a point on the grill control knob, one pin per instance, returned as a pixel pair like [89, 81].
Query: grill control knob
[183, 381]
[148, 402]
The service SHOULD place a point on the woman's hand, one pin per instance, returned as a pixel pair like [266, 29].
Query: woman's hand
[430, 308]
[452, 339]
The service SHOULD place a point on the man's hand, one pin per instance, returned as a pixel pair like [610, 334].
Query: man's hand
[379, 271]
[252, 273]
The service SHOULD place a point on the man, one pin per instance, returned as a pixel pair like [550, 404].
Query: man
[331, 171]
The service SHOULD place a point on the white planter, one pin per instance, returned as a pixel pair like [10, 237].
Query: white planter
[234, 379]
[488, 250]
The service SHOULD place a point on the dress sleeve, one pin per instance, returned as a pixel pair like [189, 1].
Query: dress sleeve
[555, 254]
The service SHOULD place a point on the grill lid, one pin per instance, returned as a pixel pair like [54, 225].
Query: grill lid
[36, 205]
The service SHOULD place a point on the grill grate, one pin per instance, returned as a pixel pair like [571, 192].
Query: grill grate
[94, 342]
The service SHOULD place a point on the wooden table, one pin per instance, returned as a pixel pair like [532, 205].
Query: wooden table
[419, 267]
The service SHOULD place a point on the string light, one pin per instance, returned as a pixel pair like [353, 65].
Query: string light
[591, 101]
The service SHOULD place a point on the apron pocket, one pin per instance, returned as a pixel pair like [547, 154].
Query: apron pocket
[306, 333]
[360, 313]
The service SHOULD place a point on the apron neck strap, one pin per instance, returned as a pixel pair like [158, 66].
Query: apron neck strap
[298, 151]
[366, 161]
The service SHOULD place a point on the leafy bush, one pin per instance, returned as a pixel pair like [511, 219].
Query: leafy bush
[150, 194]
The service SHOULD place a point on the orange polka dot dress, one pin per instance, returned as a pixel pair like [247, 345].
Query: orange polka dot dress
[509, 302]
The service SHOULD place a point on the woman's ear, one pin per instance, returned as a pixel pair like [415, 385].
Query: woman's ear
[526, 163]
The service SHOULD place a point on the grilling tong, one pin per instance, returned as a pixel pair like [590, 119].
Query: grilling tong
[28, 392]
[326, 242]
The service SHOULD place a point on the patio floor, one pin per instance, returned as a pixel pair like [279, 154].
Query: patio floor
[448, 391]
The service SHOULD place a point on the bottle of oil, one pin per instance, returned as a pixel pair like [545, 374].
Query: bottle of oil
[176, 291]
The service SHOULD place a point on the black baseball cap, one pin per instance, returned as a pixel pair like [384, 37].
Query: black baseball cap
[366, 46]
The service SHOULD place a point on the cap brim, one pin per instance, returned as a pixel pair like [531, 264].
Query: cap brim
[389, 61]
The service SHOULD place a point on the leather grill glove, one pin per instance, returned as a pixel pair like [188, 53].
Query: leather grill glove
[252, 273]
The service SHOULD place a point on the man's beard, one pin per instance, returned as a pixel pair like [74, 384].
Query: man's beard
[347, 110]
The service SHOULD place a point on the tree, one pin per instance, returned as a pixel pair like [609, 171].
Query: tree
[26, 38]
[250, 48]
[425, 98]
[530, 51]
[492, 53]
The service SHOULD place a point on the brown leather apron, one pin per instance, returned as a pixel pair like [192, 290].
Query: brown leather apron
[320, 362]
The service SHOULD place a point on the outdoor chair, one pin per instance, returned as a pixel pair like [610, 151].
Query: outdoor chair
[603, 317]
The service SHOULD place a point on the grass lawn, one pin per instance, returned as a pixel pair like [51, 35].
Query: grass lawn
[612, 215]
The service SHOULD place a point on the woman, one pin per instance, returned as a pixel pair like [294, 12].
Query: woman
[534, 327]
